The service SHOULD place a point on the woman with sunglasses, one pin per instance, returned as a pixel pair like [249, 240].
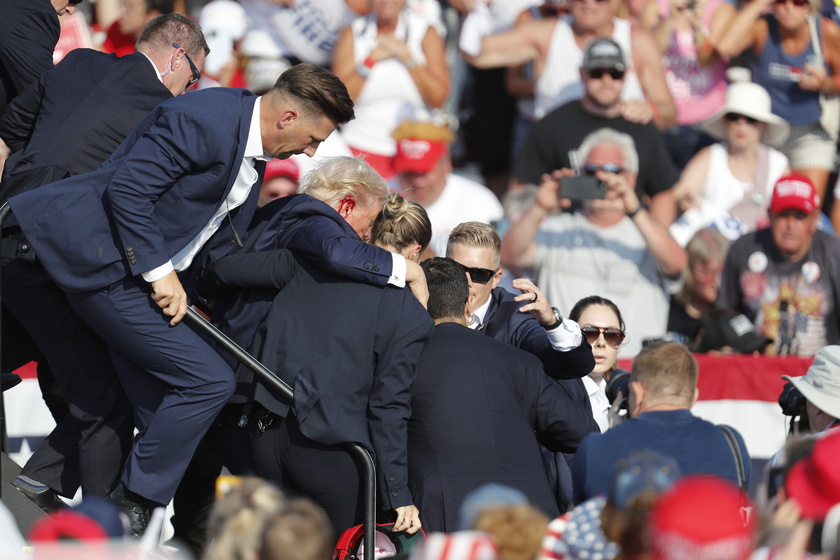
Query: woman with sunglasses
[601, 323]
[795, 54]
[728, 184]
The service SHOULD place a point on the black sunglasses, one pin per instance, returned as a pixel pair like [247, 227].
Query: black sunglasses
[598, 73]
[479, 275]
[613, 337]
[196, 75]
[735, 117]
[592, 169]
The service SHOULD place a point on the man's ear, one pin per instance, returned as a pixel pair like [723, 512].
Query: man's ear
[696, 397]
[346, 206]
[497, 277]
[287, 117]
[638, 393]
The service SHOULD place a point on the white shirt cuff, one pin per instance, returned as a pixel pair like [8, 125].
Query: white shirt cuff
[398, 268]
[566, 336]
[159, 272]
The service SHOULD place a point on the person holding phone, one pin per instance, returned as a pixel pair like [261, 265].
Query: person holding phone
[612, 247]
[795, 56]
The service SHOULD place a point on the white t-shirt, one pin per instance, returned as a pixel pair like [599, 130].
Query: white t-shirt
[462, 200]
[576, 259]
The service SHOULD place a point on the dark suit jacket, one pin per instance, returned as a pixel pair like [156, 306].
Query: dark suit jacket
[316, 234]
[75, 116]
[476, 405]
[29, 30]
[504, 322]
[149, 199]
[348, 349]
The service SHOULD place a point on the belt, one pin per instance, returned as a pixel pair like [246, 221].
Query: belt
[15, 246]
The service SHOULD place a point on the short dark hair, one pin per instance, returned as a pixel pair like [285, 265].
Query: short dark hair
[162, 6]
[448, 287]
[318, 90]
[163, 31]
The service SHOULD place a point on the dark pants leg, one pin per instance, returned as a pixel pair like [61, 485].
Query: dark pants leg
[326, 474]
[89, 446]
[194, 500]
[176, 381]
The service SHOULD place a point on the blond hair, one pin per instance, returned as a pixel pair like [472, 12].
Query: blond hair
[476, 234]
[335, 178]
[401, 224]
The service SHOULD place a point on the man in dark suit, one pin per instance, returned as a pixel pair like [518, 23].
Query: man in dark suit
[96, 99]
[115, 240]
[29, 30]
[475, 407]
[525, 321]
[346, 341]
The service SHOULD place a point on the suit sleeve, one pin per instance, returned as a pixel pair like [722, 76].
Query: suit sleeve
[572, 364]
[263, 270]
[177, 143]
[325, 245]
[580, 471]
[561, 423]
[389, 405]
[29, 51]
[18, 120]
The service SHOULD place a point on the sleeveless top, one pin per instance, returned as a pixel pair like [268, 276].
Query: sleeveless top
[698, 90]
[778, 72]
[560, 82]
[389, 95]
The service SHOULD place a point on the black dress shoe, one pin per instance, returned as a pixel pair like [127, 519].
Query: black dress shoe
[138, 515]
[47, 500]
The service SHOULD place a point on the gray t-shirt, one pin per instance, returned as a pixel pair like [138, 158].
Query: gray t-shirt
[794, 303]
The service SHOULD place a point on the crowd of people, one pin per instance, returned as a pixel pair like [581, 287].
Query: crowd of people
[657, 181]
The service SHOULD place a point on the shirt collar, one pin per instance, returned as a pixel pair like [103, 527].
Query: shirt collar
[482, 311]
[254, 147]
[157, 72]
[593, 388]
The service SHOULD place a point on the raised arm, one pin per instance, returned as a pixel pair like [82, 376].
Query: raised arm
[746, 29]
[516, 46]
[647, 60]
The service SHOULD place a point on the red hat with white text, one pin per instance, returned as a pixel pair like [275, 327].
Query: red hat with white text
[794, 192]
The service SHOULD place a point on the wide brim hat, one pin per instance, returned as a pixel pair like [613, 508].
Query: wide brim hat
[750, 100]
[821, 383]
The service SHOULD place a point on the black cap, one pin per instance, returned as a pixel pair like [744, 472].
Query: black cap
[604, 53]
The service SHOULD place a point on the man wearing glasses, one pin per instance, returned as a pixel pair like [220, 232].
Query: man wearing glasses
[96, 100]
[119, 240]
[527, 320]
[555, 46]
[550, 140]
[29, 31]
[613, 248]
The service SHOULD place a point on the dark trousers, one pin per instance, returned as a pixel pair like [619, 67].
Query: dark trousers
[176, 380]
[88, 447]
[325, 473]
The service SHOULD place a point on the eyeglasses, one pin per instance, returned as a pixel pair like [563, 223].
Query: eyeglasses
[797, 3]
[592, 169]
[479, 275]
[598, 73]
[613, 337]
[196, 75]
[735, 117]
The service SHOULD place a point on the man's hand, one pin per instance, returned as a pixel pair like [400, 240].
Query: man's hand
[408, 519]
[5, 152]
[549, 194]
[637, 111]
[416, 280]
[618, 187]
[535, 301]
[169, 295]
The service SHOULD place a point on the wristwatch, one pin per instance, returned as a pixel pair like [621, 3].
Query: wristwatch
[558, 320]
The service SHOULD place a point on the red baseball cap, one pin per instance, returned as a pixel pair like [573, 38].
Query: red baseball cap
[700, 517]
[814, 481]
[281, 168]
[794, 192]
[418, 156]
